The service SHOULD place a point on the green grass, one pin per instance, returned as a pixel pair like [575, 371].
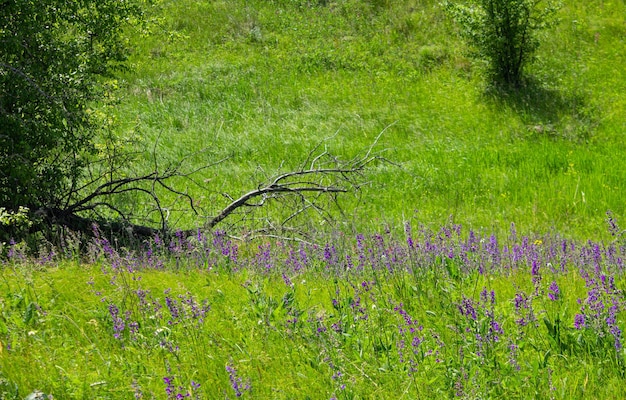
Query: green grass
[263, 82]
[117, 326]
[260, 83]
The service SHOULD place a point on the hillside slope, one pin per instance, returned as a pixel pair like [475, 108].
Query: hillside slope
[263, 82]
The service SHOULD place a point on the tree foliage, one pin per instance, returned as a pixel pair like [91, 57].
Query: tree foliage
[55, 58]
[503, 32]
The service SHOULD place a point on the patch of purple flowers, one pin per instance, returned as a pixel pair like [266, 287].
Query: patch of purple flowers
[236, 382]
[554, 293]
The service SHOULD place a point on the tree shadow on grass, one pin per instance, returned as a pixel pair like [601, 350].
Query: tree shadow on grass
[546, 111]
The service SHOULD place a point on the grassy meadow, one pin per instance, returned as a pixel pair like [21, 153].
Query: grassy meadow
[262, 82]
[477, 261]
[430, 314]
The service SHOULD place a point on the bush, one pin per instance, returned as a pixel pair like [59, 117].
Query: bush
[56, 58]
[503, 32]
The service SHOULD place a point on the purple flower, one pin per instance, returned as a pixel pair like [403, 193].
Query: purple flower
[494, 330]
[118, 322]
[553, 291]
[330, 255]
[169, 386]
[410, 335]
[407, 231]
[235, 380]
[534, 270]
[264, 257]
[579, 321]
[134, 328]
[287, 280]
[487, 297]
[174, 311]
[513, 350]
[613, 227]
[467, 308]
[617, 334]
[234, 253]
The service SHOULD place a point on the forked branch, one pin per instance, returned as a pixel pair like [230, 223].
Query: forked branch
[321, 177]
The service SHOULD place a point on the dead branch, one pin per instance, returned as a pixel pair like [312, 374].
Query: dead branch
[320, 178]
[321, 174]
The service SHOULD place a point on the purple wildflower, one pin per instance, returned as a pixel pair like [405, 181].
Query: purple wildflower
[330, 256]
[524, 309]
[495, 330]
[613, 227]
[264, 257]
[579, 321]
[467, 308]
[407, 231]
[513, 350]
[411, 335]
[118, 322]
[235, 380]
[534, 270]
[169, 386]
[554, 293]
[287, 280]
[174, 311]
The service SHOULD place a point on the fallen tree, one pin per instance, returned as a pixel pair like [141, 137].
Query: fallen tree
[313, 187]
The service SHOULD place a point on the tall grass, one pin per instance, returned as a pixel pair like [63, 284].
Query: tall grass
[423, 309]
[263, 82]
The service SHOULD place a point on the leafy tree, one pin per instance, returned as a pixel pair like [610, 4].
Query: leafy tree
[55, 58]
[504, 32]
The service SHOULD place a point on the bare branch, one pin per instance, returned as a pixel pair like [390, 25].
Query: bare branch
[312, 188]
[369, 151]
[272, 189]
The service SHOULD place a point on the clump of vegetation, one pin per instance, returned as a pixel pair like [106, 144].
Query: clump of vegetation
[58, 57]
[444, 313]
[504, 32]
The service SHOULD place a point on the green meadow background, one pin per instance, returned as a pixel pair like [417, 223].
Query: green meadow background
[250, 87]
[261, 83]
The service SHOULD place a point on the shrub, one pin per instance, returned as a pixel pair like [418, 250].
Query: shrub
[503, 32]
[56, 60]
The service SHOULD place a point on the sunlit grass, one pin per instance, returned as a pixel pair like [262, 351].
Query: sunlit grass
[421, 314]
[261, 83]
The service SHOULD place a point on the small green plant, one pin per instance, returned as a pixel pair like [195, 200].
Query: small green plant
[13, 223]
[503, 32]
